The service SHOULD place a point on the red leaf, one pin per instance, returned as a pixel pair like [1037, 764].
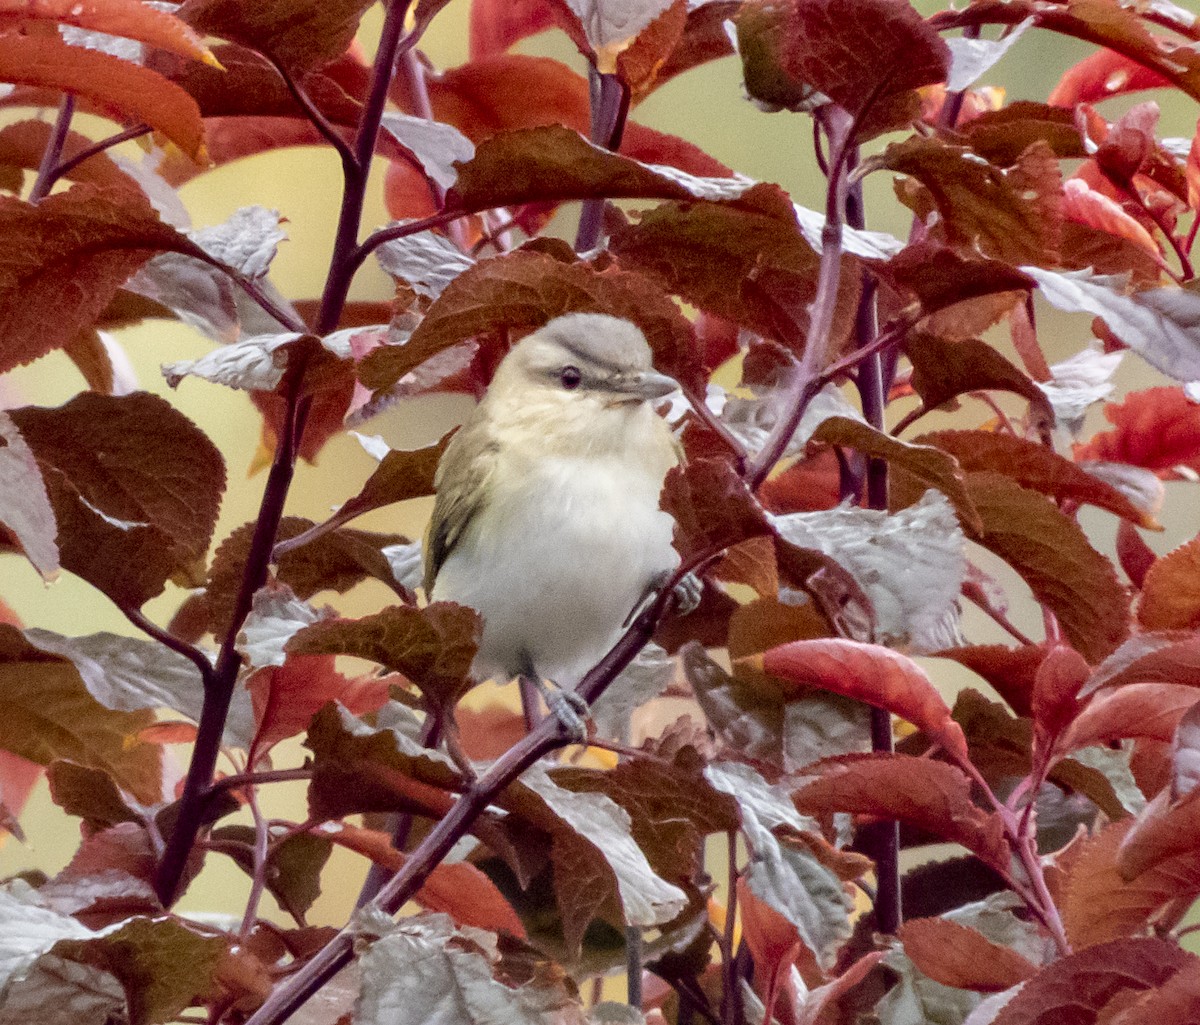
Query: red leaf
[524, 290]
[496, 24]
[128, 18]
[1082, 204]
[1136, 557]
[1151, 710]
[95, 239]
[1054, 557]
[286, 697]
[1010, 671]
[1158, 428]
[934, 796]
[1059, 678]
[863, 53]
[1100, 75]
[870, 673]
[124, 91]
[1162, 836]
[1098, 904]
[1171, 590]
[22, 145]
[298, 35]
[1076, 988]
[712, 507]
[964, 958]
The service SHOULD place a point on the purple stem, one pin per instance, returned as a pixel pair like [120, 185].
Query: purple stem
[881, 840]
[67, 166]
[610, 108]
[219, 693]
[46, 175]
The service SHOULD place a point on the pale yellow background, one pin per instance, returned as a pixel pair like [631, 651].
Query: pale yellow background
[704, 106]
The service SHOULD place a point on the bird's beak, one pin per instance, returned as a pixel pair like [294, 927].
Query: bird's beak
[647, 385]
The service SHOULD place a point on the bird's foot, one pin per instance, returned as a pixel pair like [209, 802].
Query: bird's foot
[568, 708]
[687, 594]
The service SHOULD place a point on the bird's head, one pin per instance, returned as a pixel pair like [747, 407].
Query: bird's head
[581, 374]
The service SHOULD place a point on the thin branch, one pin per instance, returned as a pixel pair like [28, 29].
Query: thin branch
[395, 231]
[717, 425]
[217, 696]
[67, 166]
[54, 147]
[342, 263]
[731, 997]
[180, 647]
[253, 779]
[258, 879]
[610, 109]
[319, 121]
[807, 380]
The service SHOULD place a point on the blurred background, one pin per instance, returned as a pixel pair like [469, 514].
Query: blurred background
[705, 106]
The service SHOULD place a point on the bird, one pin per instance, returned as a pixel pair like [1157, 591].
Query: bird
[546, 519]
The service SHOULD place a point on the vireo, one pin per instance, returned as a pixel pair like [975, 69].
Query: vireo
[547, 520]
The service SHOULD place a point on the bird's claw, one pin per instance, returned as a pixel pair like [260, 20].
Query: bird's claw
[569, 709]
[687, 594]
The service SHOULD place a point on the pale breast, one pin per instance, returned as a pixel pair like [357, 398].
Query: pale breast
[562, 554]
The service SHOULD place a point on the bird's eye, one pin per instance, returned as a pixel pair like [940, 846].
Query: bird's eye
[570, 377]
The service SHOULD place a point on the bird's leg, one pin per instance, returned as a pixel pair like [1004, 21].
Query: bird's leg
[565, 705]
[687, 595]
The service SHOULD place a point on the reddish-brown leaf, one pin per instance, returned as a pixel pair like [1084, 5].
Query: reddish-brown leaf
[964, 958]
[47, 714]
[934, 796]
[433, 647]
[23, 143]
[762, 41]
[927, 463]
[247, 85]
[1098, 904]
[1035, 467]
[1150, 710]
[747, 263]
[509, 91]
[1003, 135]
[941, 278]
[136, 489]
[809, 484]
[524, 290]
[638, 63]
[297, 35]
[863, 53]
[1166, 833]
[1136, 557]
[1053, 556]
[712, 507]
[1076, 988]
[122, 90]
[1158, 428]
[286, 697]
[943, 370]
[1010, 214]
[1010, 671]
[1171, 590]
[552, 164]
[64, 260]
[1174, 1002]
[1057, 682]
[870, 673]
[1087, 206]
[1100, 75]
[128, 18]
[335, 561]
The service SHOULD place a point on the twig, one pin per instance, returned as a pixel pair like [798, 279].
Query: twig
[180, 647]
[731, 997]
[343, 264]
[717, 425]
[806, 382]
[610, 109]
[54, 147]
[250, 779]
[258, 878]
[329, 132]
[67, 166]
[395, 231]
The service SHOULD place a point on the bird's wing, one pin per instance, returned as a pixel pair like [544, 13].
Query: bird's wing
[468, 462]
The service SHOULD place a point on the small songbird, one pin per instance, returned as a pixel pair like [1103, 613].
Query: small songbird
[547, 518]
